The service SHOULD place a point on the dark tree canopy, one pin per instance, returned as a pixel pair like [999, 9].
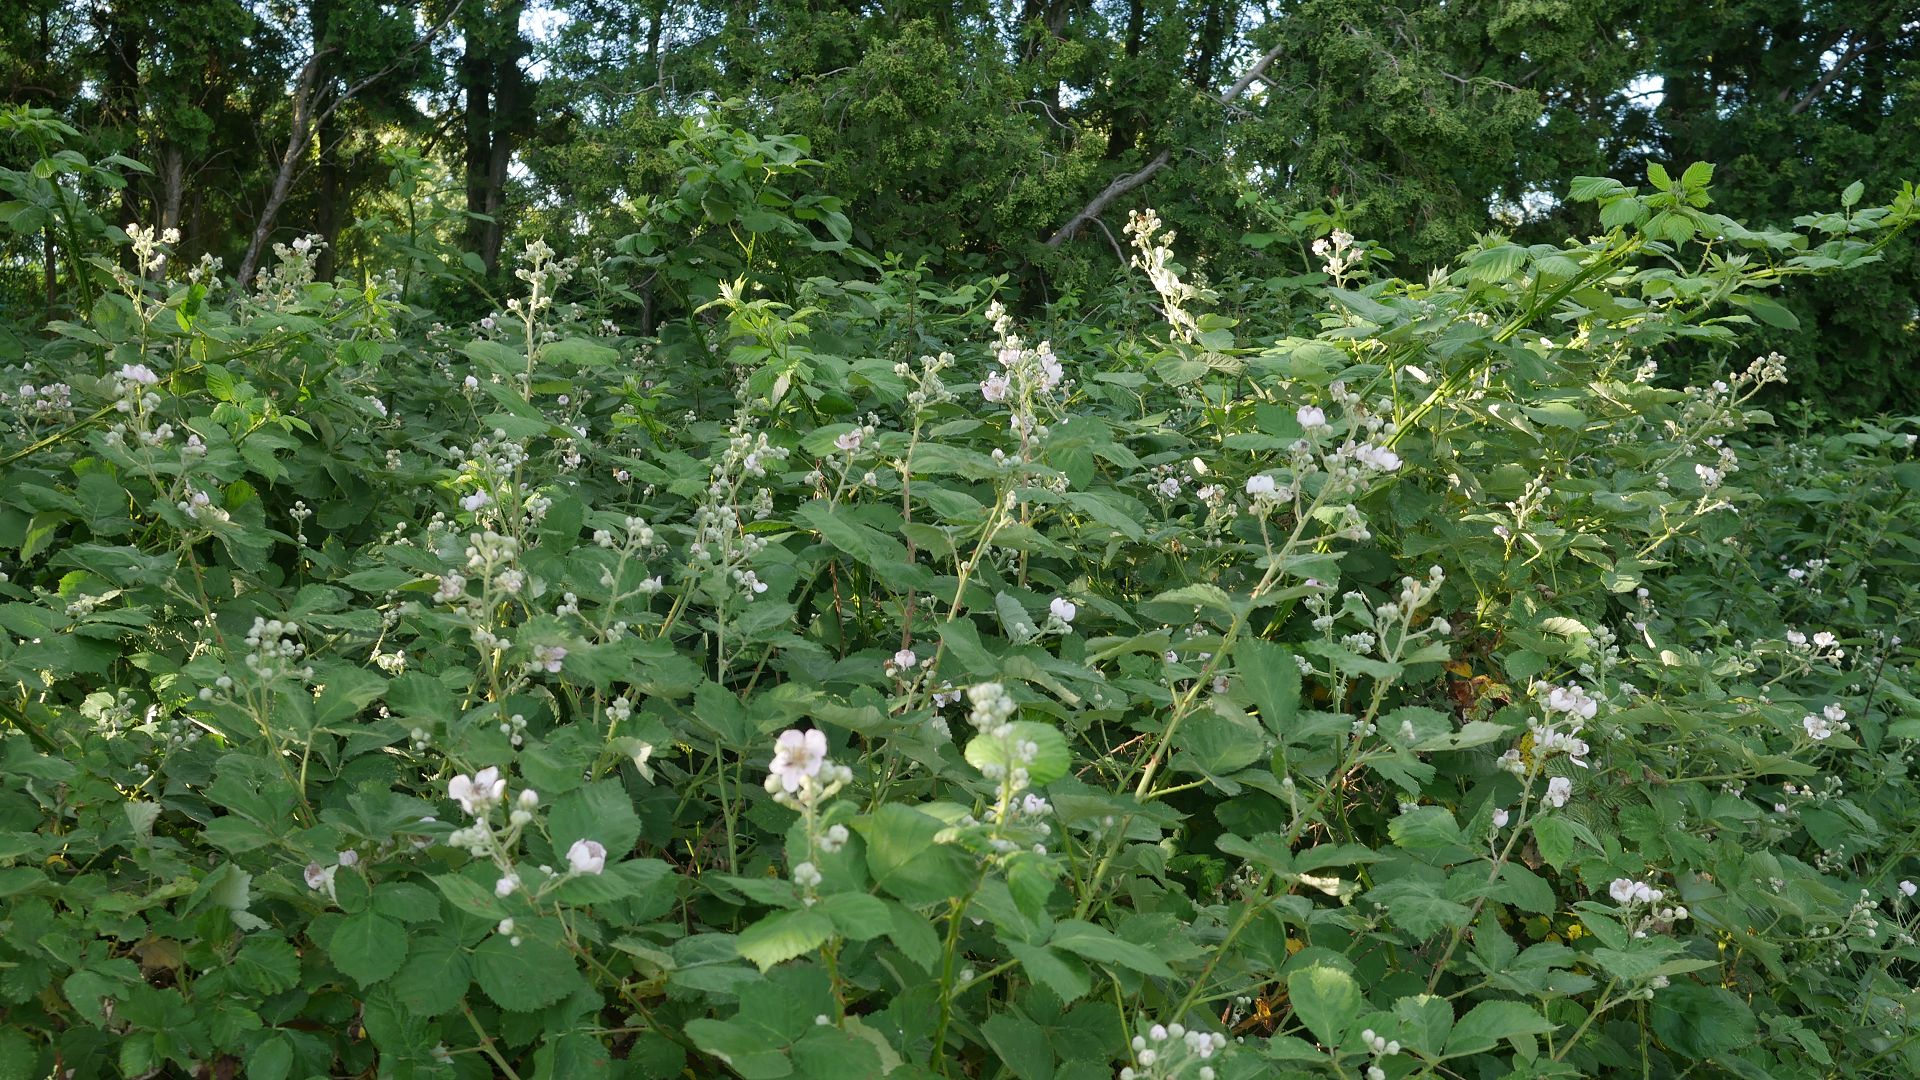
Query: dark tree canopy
[980, 137]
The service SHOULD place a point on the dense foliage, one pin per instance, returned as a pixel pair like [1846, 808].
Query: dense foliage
[857, 677]
[975, 136]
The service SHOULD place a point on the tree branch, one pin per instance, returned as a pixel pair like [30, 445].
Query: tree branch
[1258, 69]
[1120, 186]
[1832, 73]
[305, 120]
[300, 131]
[1123, 184]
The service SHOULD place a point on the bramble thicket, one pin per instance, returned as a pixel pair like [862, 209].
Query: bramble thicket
[880, 669]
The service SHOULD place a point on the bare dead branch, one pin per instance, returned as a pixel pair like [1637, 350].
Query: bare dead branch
[1123, 184]
[1833, 73]
[1120, 186]
[1258, 69]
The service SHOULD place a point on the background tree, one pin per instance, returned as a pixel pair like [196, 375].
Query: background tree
[1001, 138]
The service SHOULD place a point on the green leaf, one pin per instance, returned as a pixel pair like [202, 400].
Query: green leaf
[268, 964]
[349, 689]
[1065, 976]
[271, 1060]
[1101, 946]
[856, 916]
[1622, 212]
[368, 947]
[905, 861]
[601, 811]
[1702, 1021]
[469, 895]
[497, 358]
[784, 935]
[1020, 1045]
[864, 542]
[1419, 907]
[578, 352]
[1767, 310]
[434, 978]
[1186, 598]
[1218, 745]
[1038, 748]
[1491, 1021]
[1272, 679]
[1424, 828]
[748, 1049]
[1554, 836]
[1325, 999]
[649, 880]
[913, 935]
[1589, 188]
[531, 975]
[1425, 1020]
[1524, 889]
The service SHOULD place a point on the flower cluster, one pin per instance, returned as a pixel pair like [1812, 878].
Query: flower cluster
[478, 795]
[1170, 1051]
[721, 542]
[1645, 908]
[296, 266]
[1821, 725]
[1154, 256]
[800, 770]
[1027, 377]
[1567, 708]
[993, 707]
[1339, 254]
[927, 387]
[1380, 1047]
[274, 649]
[151, 247]
[801, 777]
[199, 507]
[48, 401]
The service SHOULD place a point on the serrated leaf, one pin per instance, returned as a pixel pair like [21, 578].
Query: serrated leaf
[269, 964]
[601, 812]
[368, 947]
[1491, 1021]
[748, 1049]
[1064, 975]
[434, 978]
[1102, 946]
[904, 859]
[1325, 999]
[1038, 748]
[1272, 679]
[856, 916]
[531, 975]
[784, 935]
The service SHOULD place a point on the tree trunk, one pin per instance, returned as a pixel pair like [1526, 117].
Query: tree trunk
[173, 185]
[1124, 126]
[655, 26]
[499, 105]
[121, 41]
[1213, 32]
[476, 77]
[297, 138]
[326, 218]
